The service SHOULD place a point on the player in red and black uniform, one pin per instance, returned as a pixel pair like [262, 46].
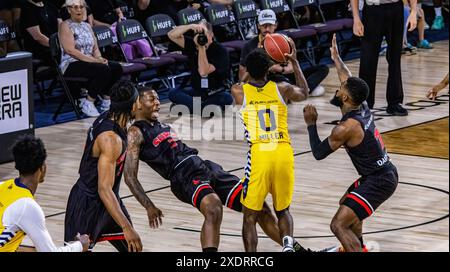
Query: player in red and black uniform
[94, 206]
[357, 133]
[201, 183]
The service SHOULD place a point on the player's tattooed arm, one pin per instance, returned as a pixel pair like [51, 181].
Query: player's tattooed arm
[135, 141]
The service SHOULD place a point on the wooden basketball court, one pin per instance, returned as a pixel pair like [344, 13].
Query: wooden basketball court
[414, 219]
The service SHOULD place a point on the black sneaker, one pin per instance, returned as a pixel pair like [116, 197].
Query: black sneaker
[397, 110]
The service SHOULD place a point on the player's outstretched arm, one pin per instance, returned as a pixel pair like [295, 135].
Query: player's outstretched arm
[343, 72]
[110, 146]
[135, 141]
[321, 149]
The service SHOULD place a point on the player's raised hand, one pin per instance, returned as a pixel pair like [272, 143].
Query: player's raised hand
[334, 50]
[155, 216]
[310, 115]
[293, 55]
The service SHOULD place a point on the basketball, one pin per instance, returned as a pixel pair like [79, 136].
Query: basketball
[276, 45]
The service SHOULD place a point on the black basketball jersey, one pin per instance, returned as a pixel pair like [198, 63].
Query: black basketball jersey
[88, 167]
[162, 151]
[370, 155]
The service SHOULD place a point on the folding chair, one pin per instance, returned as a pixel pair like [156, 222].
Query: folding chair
[158, 26]
[246, 14]
[106, 38]
[131, 30]
[220, 15]
[55, 51]
[189, 16]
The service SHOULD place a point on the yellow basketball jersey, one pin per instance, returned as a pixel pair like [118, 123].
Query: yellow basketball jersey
[264, 115]
[9, 193]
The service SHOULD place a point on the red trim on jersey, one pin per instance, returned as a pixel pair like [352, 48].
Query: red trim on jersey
[360, 202]
[198, 192]
[233, 196]
[111, 238]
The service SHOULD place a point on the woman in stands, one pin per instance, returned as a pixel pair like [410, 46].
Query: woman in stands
[82, 58]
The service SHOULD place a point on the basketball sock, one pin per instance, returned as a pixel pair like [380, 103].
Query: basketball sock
[438, 11]
[210, 249]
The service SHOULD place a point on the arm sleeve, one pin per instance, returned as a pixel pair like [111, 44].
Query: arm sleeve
[32, 222]
[320, 150]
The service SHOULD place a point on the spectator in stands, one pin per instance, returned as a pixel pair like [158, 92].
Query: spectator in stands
[39, 20]
[9, 13]
[147, 8]
[65, 14]
[267, 24]
[82, 58]
[438, 23]
[106, 12]
[210, 68]
[423, 43]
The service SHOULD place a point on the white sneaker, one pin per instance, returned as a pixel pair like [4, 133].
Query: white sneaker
[288, 249]
[106, 104]
[89, 109]
[318, 91]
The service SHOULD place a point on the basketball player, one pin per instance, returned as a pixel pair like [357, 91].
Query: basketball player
[94, 205]
[270, 167]
[20, 214]
[357, 133]
[201, 183]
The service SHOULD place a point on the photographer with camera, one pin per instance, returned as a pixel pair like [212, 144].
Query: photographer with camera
[210, 67]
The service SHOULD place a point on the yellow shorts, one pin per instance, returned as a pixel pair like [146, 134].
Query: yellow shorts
[271, 171]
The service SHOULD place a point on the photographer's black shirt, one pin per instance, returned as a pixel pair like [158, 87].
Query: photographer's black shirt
[217, 56]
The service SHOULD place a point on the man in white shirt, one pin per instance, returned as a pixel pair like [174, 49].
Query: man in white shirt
[20, 214]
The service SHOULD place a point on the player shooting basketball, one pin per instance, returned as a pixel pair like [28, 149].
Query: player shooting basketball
[270, 167]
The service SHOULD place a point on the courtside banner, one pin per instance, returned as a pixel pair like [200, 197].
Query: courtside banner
[14, 115]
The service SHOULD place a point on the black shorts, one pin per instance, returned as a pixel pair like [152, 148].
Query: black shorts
[367, 193]
[196, 178]
[86, 214]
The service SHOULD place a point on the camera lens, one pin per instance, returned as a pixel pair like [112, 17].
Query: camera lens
[202, 40]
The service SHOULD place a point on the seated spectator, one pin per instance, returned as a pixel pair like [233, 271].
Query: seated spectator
[210, 68]
[267, 24]
[423, 43]
[65, 14]
[82, 58]
[39, 20]
[9, 13]
[438, 23]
